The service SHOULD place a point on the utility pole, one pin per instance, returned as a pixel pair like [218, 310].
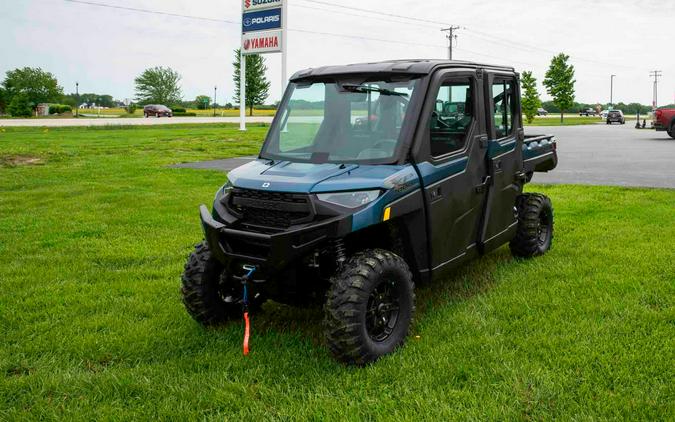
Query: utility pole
[656, 74]
[611, 92]
[451, 37]
[77, 95]
[215, 91]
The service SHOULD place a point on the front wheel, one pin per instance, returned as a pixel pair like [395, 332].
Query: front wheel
[370, 306]
[535, 226]
[671, 132]
[210, 295]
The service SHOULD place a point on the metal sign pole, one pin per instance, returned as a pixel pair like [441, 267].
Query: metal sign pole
[242, 81]
[284, 46]
[242, 91]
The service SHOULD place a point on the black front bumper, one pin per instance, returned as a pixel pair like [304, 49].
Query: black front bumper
[269, 251]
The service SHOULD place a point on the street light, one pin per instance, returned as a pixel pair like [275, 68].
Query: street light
[611, 92]
[77, 95]
[215, 91]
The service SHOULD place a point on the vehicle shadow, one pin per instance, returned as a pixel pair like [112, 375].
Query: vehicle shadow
[468, 280]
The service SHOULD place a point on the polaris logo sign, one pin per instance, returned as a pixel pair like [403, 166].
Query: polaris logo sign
[250, 5]
[261, 21]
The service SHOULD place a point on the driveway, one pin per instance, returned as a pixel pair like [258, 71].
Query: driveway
[617, 155]
[103, 121]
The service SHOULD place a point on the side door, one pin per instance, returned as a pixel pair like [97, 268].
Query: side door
[451, 162]
[504, 159]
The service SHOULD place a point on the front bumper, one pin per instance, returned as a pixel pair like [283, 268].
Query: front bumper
[269, 251]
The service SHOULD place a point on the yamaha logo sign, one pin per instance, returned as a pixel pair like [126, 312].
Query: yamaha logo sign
[261, 42]
[250, 5]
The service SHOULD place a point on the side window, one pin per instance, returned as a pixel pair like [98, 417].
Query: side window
[451, 118]
[502, 95]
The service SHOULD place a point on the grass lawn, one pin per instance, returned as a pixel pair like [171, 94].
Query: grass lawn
[94, 231]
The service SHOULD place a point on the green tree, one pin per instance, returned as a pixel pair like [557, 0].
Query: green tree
[559, 83]
[257, 85]
[531, 101]
[202, 102]
[20, 106]
[158, 85]
[33, 84]
[3, 103]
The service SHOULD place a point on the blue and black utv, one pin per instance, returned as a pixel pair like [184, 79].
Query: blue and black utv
[373, 178]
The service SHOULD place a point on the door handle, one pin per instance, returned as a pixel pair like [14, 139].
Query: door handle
[435, 193]
[483, 186]
[483, 141]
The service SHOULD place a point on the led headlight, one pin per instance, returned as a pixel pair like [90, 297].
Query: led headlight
[349, 199]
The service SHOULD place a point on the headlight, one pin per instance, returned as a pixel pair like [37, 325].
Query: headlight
[223, 191]
[349, 199]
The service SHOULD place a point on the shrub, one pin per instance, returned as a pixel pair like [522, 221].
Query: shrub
[184, 114]
[59, 108]
[178, 110]
[131, 108]
[20, 106]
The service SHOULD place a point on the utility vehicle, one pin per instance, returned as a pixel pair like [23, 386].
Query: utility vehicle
[664, 119]
[372, 178]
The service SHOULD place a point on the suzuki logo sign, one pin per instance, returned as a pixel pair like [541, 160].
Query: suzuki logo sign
[250, 5]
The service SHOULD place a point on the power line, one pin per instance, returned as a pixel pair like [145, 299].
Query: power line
[341, 12]
[177, 15]
[154, 12]
[393, 15]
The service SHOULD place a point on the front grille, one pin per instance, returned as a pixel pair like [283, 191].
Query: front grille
[278, 210]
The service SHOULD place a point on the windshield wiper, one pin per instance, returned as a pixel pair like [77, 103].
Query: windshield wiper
[366, 88]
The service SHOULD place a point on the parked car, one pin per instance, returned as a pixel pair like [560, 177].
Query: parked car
[664, 120]
[615, 116]
[604, 114]
[542, 112]
[361, 211]
[157, 110]
[588, 112]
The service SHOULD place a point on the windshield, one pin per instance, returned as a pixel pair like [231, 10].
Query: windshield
[339, 122]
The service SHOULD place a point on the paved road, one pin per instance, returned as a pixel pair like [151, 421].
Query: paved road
[618, 155]
[103, 121]
[589, 155]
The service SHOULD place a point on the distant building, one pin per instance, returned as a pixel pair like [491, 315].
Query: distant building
[42, 109]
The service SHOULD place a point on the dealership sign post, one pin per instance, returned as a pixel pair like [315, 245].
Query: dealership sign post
[263, 30]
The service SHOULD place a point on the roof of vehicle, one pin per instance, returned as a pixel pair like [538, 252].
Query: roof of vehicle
[413, 67]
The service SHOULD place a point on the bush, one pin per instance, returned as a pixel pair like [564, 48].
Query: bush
[178, 110]
[184, 114]
[131, 108]
[59, 108]
[20, 106]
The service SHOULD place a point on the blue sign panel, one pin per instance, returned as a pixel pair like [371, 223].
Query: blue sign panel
[261, 21]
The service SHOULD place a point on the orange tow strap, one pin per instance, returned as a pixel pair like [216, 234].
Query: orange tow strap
[247, 332]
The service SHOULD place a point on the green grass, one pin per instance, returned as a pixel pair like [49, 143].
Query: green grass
[568, 120]
[94, 237]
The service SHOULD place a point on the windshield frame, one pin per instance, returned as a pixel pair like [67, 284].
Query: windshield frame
[406, 133]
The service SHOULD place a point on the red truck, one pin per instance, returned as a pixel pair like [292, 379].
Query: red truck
[664, 119]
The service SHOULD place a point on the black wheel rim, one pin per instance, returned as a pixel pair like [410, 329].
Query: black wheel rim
[544, 229]
[382, 311]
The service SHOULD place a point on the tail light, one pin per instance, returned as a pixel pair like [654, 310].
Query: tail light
[657, 114]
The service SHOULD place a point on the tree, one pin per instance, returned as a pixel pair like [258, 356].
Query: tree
[202, 102]
[20, 106]
[3, 101]
[33, 84]
[559, 83]
[531, 101]
[158, 85]
[257, 85]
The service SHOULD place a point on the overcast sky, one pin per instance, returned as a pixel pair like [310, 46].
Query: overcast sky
[105, 48]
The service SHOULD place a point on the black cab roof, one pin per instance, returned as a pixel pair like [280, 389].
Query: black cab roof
[413, 67]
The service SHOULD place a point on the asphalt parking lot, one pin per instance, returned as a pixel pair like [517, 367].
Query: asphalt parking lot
[617, 155]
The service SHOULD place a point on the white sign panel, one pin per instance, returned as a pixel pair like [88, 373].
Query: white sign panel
[251, 5]
[262, 42]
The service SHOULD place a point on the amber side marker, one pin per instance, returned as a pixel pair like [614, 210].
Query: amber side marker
[387, 214]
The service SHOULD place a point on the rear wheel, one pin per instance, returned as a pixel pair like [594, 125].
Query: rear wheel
[671, 132]
[210, 295]
[370, 305]
[535, 226]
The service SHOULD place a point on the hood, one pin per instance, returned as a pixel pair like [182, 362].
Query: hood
[286, 176]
